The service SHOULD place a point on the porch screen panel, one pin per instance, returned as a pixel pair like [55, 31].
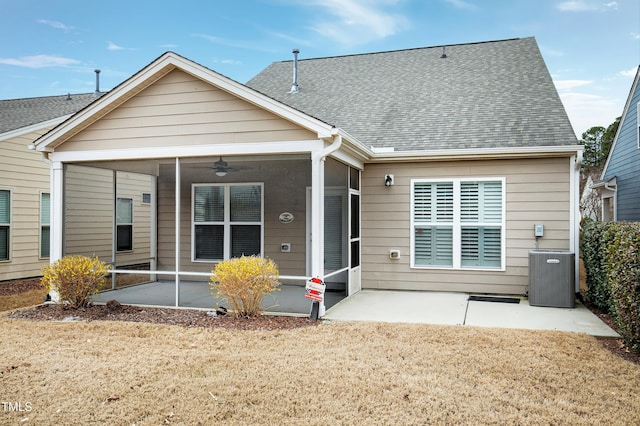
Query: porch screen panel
[333, 233]
[5, 218]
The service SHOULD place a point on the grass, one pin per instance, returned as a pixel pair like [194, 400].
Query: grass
[19, 300]
[337, 373]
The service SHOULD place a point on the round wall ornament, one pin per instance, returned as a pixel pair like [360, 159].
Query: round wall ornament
[286, 217]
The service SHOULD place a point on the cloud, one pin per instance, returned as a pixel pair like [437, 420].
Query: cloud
[460, 4]
[114, 47]
[635, 36]
[629, 73]
[226, 61]
[357, 21]
[588, 110]
[40, 61]
[571, 84]
[584, 6]
[55, 24]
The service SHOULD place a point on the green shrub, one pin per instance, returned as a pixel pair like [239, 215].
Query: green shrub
[594, 256]
[75, 279]
[244, 282]
[623, 262]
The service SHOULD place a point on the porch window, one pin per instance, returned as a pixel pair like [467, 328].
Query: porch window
[227, 221]
[44, 224]
[458, 223]
[5, 223]
[124, 224]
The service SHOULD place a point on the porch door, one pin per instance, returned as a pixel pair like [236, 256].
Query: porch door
[354, 284]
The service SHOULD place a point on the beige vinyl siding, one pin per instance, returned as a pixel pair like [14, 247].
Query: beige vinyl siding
[285, 183]
[88, 219]
[537, 191]
[26, 174]
[181, 110]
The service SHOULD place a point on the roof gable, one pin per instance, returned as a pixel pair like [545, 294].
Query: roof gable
[154, 72]
[626, 146]
[482, 95]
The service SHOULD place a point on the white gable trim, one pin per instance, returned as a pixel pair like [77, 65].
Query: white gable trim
[159, 68]
[625, 111]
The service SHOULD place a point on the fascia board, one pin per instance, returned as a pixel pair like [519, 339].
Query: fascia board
[475, 154]
[291, 147]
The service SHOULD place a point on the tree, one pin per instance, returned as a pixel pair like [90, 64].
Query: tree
[597, 143]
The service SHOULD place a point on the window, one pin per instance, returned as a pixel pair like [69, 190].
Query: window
[44, 224]
[227, 221]
[458, 223]
[124, 224]
[5, 223]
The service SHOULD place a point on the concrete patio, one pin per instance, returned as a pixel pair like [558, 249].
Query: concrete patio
[381, 305]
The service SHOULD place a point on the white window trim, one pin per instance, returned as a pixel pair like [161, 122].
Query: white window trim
[227, 220]
[9, 224]
[457, 224]
[40, 256]
[125, 224]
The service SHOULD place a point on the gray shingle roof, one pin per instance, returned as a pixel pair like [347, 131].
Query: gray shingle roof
[491, 94]
[19, 113]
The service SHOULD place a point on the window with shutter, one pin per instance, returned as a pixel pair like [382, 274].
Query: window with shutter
[227, 221]
[458, 223]
[124, 224]
[44, 224]
[5, 223]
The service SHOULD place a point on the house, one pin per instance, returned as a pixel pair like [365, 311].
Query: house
[25, 185]
[417, 169]
[620, 180]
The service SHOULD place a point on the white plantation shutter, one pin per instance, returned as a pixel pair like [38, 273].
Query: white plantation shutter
[481, 205]
[469, 210]
[433, 216]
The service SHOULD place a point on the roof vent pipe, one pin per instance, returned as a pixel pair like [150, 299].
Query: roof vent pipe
[294, 87]
[97, 92]
[444, 55]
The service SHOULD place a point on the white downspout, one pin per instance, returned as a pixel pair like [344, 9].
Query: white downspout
[575, 216]
[317, 210]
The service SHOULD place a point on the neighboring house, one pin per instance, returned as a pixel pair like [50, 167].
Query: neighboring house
[25, 185]
[418, 169]
[620, 180]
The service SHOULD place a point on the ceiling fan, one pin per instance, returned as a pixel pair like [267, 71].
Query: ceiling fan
[221, 167]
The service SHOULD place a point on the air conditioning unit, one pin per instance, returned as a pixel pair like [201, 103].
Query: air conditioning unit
[552, 278]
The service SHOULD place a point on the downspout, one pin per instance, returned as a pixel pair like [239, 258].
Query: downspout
[317, 215]
[574, 232]
[615, 200]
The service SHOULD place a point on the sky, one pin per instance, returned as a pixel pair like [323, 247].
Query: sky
[52, 47]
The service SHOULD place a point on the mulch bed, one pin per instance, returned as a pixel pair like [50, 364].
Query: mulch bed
[199, 318]
[167, 316]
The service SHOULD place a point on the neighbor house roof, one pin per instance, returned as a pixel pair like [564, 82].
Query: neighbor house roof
[481, 95]
[19, 113]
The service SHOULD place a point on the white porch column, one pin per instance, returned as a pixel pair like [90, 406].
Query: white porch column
[317, 219]
[177, 230]
[56, 218]
[153, 221]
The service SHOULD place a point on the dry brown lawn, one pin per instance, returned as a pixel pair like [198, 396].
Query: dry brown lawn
[122, 373]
